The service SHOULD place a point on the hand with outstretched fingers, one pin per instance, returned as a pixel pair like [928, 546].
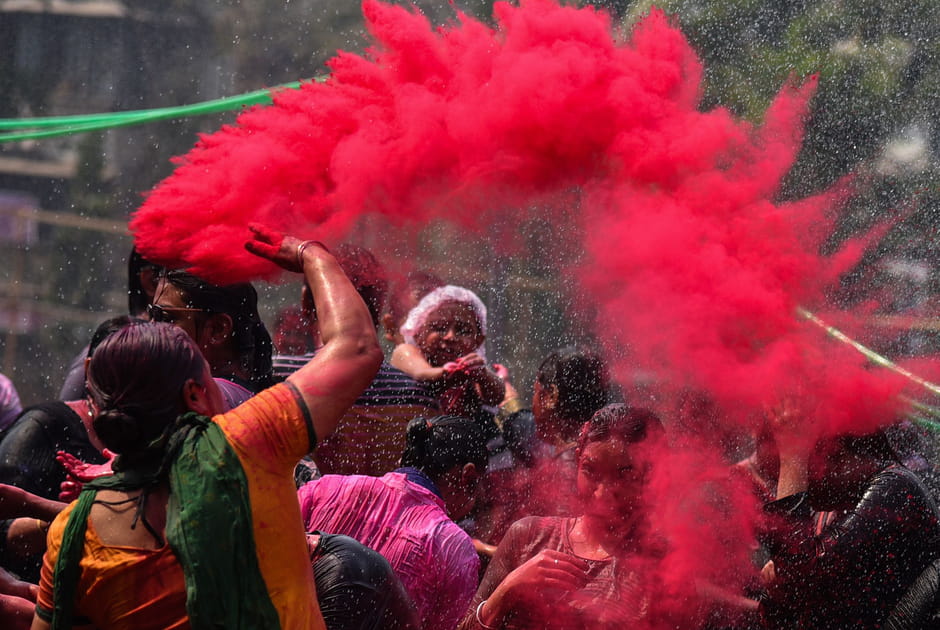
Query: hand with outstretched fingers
[83, 471]
[281, 249]
[80, 472]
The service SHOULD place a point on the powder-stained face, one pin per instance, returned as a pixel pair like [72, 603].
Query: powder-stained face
[611, 478]
[451, 331]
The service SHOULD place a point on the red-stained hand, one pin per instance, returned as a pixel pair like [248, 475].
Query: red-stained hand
[79, 473]
[279, 248]
[69, 490]
[471, 362]
[454, 373]
[473, 366]
[83, 471]
[547, 573]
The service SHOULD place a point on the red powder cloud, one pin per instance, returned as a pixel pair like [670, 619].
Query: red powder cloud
[689, 261]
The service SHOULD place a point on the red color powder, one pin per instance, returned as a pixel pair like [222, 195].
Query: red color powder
[689, 262]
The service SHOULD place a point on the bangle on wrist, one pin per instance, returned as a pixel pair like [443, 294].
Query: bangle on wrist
[302, 247]
[480, 619]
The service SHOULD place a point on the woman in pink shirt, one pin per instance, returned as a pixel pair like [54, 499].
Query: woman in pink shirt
[408, 515]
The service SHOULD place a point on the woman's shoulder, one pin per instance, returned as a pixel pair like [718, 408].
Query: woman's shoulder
[50, 421]
[51, 412]
[541, 531]
[892, 478]
[900, 488]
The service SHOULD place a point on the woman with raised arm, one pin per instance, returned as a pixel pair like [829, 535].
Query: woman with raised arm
[200, 526]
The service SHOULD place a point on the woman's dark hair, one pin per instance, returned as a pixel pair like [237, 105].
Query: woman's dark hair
[367, 276]
[108, 327]
[580, 377]
[619, 421]
[240, 302]
[435, 445]
[137, 298]
[136, 378]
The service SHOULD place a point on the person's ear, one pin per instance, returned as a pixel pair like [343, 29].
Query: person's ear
[469, 475]
[196, 398]
[217, 329]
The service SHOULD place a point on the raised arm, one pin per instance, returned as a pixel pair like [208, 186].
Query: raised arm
[350, 356]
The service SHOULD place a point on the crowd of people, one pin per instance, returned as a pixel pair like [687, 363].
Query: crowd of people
[197, 472]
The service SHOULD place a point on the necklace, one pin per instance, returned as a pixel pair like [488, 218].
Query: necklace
[591, 553]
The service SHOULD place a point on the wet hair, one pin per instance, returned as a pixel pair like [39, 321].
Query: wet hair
[137, 298]
[367, 276]
[874, 445]
[136, 378]
[109, 327]
[618, 421]
[435, 445]
[240, 302]
[580, 376]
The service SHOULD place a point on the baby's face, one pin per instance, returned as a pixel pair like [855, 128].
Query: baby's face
[451, 331]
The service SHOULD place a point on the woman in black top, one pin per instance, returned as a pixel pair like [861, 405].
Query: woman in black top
[851, 530]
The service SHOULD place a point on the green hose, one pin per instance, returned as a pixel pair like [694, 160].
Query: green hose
[38, 128]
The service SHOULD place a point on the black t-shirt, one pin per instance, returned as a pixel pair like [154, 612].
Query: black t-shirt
[28, 448]
[853, 572]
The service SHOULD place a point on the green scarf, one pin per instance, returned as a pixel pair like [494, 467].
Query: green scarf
[208, 526]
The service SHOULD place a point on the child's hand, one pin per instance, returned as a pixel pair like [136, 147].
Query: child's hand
[472, 364]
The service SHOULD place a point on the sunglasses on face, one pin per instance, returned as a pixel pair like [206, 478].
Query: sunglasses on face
[165, 314]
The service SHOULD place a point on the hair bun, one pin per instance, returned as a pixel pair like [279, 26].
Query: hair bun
[419, 431]
[435, 445]
[118, 430]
